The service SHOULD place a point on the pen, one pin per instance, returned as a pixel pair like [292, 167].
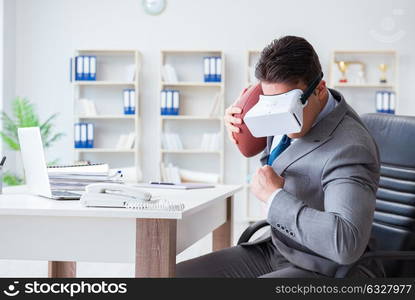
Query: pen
[159, 182]
[2, 161]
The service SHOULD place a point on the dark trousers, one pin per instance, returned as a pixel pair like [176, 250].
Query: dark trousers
[248, 261]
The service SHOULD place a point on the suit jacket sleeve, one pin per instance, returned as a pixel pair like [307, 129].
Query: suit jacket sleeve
[341, 232]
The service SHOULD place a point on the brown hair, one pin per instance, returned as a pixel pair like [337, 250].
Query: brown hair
[289, 59]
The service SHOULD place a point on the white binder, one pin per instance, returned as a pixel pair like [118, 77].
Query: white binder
[176, 100]
[163, 102]
[218, 68]
[206, 68]
[79, 68]
[169, 105]
[83, 136]
[392, 102]
[90, 135]
[131, 102]
[92, 67]
[77, 135]
[212, 68]
[379, 99]
[385, 102]
[86, 67]
[126, 96]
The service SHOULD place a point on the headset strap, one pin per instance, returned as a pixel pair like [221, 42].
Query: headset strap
[307, 93]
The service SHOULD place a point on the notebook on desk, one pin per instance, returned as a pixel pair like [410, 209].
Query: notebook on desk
[175, 186]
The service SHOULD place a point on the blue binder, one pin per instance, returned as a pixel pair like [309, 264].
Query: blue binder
[131, 102]
[163, 102]
[92, 68]
[218, 64]
[86, 67]
[79, 68]
[212, 69]
[90, 135]
[206, 68]
[77, 135]
[176, 102]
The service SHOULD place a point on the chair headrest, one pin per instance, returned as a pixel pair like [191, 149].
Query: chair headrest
[395, 136]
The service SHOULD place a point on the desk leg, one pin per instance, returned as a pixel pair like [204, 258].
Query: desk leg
[222, 236]
[155, 248]
[62, 269]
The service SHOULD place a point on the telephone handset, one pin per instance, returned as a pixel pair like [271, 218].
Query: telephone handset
[119, 191]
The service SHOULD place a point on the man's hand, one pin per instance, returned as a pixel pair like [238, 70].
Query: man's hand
[265, 182]
[230, 120]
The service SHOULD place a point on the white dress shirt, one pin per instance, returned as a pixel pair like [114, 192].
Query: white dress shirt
[330, 105]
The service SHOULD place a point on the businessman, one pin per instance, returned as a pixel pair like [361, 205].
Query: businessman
[319, 184]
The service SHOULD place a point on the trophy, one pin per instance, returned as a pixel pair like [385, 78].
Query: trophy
[343, 68]
[383, 68]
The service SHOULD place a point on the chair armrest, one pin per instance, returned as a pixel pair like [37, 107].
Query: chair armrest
[249, 232]
[343, 271]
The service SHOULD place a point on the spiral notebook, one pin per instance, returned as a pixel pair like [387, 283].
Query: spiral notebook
[147, 201]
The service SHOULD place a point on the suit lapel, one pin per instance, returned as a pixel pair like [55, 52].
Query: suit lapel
[316, 137]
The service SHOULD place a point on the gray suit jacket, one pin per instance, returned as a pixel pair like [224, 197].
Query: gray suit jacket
[323, 216]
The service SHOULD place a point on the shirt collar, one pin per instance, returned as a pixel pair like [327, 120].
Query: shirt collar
[330, 105]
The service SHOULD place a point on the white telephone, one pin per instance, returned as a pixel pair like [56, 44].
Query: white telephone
[115, 195]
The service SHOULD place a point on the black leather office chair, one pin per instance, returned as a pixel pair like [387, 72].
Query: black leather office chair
[394, 219]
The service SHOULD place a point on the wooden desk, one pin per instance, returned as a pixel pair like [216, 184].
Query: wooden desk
[64, 232]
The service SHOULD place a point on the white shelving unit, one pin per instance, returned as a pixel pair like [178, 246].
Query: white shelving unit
[361, 95]
[113, 68]
[255, 210]
[196, 100]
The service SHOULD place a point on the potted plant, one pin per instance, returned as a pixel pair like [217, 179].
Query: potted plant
[24, 115]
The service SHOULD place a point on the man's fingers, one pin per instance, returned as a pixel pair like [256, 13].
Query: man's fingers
[234, 110]
[232, 120]
[232, 128]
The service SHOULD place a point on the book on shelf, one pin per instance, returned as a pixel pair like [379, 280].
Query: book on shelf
[130, 73]
[174, 174]
[86, 107]
[171, 141]
[126, 141]
[169, 74]
[210, 142]
[215, 109]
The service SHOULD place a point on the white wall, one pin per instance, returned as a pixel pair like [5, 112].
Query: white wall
[8, 61]
[48, 31]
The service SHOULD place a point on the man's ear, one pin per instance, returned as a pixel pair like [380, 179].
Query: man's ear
[320, 89]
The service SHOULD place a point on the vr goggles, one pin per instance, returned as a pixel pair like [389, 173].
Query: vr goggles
[280, 113]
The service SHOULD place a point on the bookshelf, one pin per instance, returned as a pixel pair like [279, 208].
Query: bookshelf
[116, 70]
[255, 210]
[195, 117]
[363, 76]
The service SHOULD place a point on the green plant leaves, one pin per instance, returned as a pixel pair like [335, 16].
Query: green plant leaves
[24, 115]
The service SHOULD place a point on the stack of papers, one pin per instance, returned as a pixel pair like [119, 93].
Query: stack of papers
[77, 177]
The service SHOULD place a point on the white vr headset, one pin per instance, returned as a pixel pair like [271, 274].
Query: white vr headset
[279, 114]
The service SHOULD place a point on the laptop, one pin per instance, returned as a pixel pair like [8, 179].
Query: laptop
[34, 164]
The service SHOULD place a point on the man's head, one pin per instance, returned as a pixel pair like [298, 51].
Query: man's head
[291, 63]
